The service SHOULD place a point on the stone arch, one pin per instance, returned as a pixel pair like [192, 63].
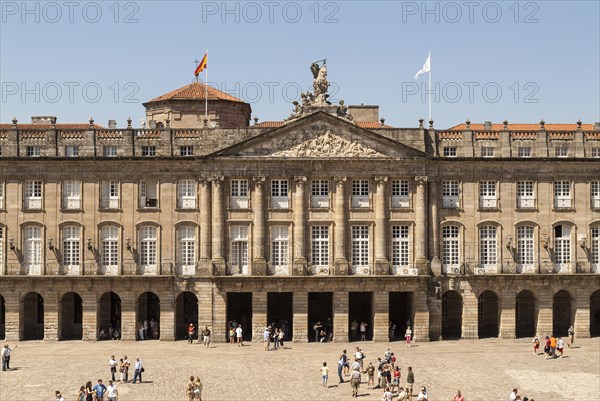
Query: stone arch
[488, 318]
[148, 315]
[109, 316]
[70, 317]
[562, 316]
[186, 312]
[525, 314]
[32, 317]
[452, 310]
[595, 314]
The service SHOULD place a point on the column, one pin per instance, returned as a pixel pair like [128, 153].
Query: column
[421, 225]
[259, 264]
[340, 260]
[219, 315]
[300, 264]
[11, 318]
[469, 328]
[382, 265]
[128, 314]
[434, 306]
[89, 319]
[381, 316]
[259, 314]
[508, 314]
[340, 316]
[544, 316]
[300, 316]
[203, 290]
[51, 316]
[421, 316]
[167, 316]
[218, 259]
[582, 314]
[204, 265]
[436, 263]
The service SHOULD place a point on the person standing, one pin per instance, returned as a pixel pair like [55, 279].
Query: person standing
[58, 396]
[99, 389]
[198, 389]
[408, 336]
[324, 374]
[353, 330]
[459, 396]
[363, 331]
[206, 337]
[267, 339]
[189, 389]
[423, 396]
[536, 345]
[513, 395]
[81, 394]
[355, 379]
[402, 395]
[111, 391]
[552, 346]
[341, 368]
[370, 376]
[392, 331]
[239, 335]
[126, 366]
[560, 346]
[190, 333]
[138, 370]
[410, 381]
[113, 366]
[6, 351]
[571, 333]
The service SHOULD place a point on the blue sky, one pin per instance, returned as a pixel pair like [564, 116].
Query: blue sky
[520, 61]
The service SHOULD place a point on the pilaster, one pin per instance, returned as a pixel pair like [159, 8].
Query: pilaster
[339, 246]
[381, 316]
[300, 316]
[544, 317]
[218, 259]
[300, 264]
[340, 316]
[167, 316]
[582, 314]
[382, 265]
[508, 315]
[204, 265]
[421, 326]
[259, 314]
[421, 225]
[259, 264]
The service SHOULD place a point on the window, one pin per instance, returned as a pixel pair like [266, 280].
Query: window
[34, 151]
[71, 248]
[524, 151]
[109, 247]
[239, 194]
[596, 152]
[488, 246]
[400, 256]
[32, 249]
[595, 248]
[71, 198]
[562, 246]
[33, 195]
[2, 195]
[148, 151]
[319, 194]
[186, 151]
[239, 250]
[561, 151]
[279, 249]
[148, 247]
[525, 195]
[360, 247]
[148, 194]
[110, 151]
[320, 245]
[525, 248]
[449, 151]
[279, 194]
[450, 192]
[360, 193]
[595, 193]
[562, 195]
[110, 195]
[71, 151]
[400, 194]
[450, 250]
[488, 198]
[186, 194]
[487, 151]
[186, 247]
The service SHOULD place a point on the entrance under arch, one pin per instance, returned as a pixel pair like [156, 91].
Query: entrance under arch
[561, 313]
[71, 316]
[595, 314]
[148, 317]
[186, 312]
[525, 315]
[32, 317]
[2, 318]
[487, 315]
[451, 315]
[109, 317]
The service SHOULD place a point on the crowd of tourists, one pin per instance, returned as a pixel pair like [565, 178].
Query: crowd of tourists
[514, 396]
[554, 347]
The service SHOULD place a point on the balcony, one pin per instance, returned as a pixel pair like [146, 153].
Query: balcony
[318, 270]
[404, 271]
[563, 203]
[32, 203]
[488, 203]
[359, 270]
[525, 203]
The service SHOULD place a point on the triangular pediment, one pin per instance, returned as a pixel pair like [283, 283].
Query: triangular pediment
[320, 135]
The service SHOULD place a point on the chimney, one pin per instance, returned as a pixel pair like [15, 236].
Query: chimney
[112, 124]
[596, 126]
[487, 126]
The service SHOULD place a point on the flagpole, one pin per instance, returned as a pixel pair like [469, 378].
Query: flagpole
[206, 89]
[430, 92]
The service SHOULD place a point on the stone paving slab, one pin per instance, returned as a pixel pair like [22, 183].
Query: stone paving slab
[484, 370]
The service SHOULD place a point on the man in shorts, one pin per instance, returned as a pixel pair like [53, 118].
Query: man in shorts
[355, 382]
[560, 346]
[206, 337]
[239, 336]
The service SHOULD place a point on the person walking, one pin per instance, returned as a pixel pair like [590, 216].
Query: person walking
[324, 374]
[206, 337]
[190, 333]
[355, 379]
[370, 376]
[552, 346]
[340, 368]
[408, 336]
[111, 391]
[239, 335]
[138, 370]
[112, 363]
[353, 330]
[81, 394]
[6, 351]
[387, 394]
[571, 333]
[459, 396]
[536, 345]
[410, 381]
[560, 346]
[126, 366]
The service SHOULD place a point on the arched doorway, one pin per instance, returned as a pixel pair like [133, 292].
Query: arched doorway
[71, 315]
[451, 315]
[525, 314]
[32, 317]
[109, 317]
[148, 317]
[595, 314]
[561, 313]
[2, 318]
[487, 314]
[186, 312]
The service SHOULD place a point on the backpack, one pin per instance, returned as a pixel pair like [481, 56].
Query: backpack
[393, 358]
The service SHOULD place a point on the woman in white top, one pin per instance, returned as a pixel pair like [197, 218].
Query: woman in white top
[408, 336]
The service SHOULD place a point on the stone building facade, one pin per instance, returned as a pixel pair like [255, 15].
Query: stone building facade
[480, 230]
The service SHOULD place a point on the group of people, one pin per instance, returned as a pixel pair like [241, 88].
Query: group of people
[554, 347]
[193, 390]
[95, 392]
[205, 335]
[273, 335]
[148, 329]
[323, 331]
[109, 333]
[123, 366]
[358, 327]
[514, 396]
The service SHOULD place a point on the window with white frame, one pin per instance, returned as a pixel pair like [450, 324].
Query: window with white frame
[71, 236]
[148, 151]
[109, 151]
[319, 194]
[109, 246]
[32, 248]
[400, 246]
[240, 198]
[562, 245]
[33, 195]
[595, 194]
[450, 249]
[487, 151]
[525, 246]
[186, 194]
[488, 246]
[525, 195]
[186, 150]
[561, 151]
[71, 197]
[34, 151]
[186, 246]
[279, 248]
[360, 193]
[279, 194]
[109, 195]
[595, 248]
[148, 194]
[562, 195]
[71, 151]
[450, 194]
[320, 245]
[239, 250]
[524, 151]
[488, 196]
[148, 246]
[596, 152]
[2, 195]
[449, 151]
[400, 194]
[360, 246]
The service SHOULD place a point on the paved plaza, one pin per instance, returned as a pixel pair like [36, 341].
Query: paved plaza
[484, 370]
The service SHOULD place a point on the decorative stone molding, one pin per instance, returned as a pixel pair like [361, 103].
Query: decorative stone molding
[259, 180]
[339, 181]
[381, 180]
[421, 179]
[300, 180]
[328, 145]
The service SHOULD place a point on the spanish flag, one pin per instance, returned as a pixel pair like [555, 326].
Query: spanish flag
[202, 65]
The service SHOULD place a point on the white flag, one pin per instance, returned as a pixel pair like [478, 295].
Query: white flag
[426, 67]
